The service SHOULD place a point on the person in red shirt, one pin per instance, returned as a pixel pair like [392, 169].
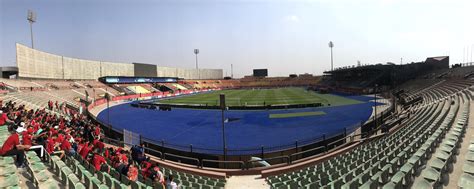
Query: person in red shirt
[66, 147]
[27, 137]
[12, 146]
[123, 157]
[132, 172]
[98, 160]
[98, 144]
[60, 139]
[146, 169]
[50, 145]
[3, 118]
[97, 132]
[85, 150]
[53, 147]
[106, 153]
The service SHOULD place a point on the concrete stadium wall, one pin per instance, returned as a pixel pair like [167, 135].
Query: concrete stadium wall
[189, 73]
[37, 64]
[33, 63]
[116, 69]
[80, 69]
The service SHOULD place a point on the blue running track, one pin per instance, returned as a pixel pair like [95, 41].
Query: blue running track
[246, 133]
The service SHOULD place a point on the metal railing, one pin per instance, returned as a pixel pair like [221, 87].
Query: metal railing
[324, 144]
[183, 158]
[307, 151]
[225, 162]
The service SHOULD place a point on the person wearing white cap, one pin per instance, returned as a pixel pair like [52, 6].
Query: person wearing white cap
[21, 128]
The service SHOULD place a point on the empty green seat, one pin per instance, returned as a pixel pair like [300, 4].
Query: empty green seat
[391, 185]
[422, 184]
[369, 185]
[10, 180]
[470, 156]
[350, 185]
[6, 161]
[65, 172]
[37, 167]
[471, 147]
[438, 164]
[443, 155]
[468, 167]
[407, 168]
[42, 176]
[8, 170]
[431, 174]
[466, 181]
[49, 184]
[79, 186]
[72, 180]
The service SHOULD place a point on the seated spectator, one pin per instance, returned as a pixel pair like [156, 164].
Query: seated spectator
[28, 137]
[53, 147]
[3, 118]
[122, 164]
[132, 173]
[97, 132]
[67, 147]
[146, 169]
[158, 175]
[98, 160]
[12, 146]
[98, 144]
[170, 184]
[108, 152]
[85, 150]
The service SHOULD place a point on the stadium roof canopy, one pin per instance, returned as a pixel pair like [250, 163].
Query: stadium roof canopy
[437, 58]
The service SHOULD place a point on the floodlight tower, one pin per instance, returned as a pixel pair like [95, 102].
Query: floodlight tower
[196, 52]
[331, 45]
[32, 19]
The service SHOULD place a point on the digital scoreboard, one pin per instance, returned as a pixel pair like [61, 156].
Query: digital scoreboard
[260, 72]
[118, 80]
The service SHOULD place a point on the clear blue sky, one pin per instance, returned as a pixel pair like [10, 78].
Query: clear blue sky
[283, 36]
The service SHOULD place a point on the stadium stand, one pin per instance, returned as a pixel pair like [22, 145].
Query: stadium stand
[417, 154]
[78, 169]
[428, 149]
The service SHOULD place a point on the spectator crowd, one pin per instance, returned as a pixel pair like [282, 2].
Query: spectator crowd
[71, 135]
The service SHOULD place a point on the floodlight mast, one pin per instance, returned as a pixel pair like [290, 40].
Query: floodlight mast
[196, 52]
[31, 19]
[331, 45]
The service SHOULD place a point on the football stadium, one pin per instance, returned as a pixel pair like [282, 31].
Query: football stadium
[87, 123]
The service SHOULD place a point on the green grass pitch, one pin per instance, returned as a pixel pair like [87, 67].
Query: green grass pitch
[258, 97]
[296, 114]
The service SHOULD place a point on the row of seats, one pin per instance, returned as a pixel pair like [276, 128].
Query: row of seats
[383, 163]
[467, 177]
[42, 178]
[443, 152]
[317, 173]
